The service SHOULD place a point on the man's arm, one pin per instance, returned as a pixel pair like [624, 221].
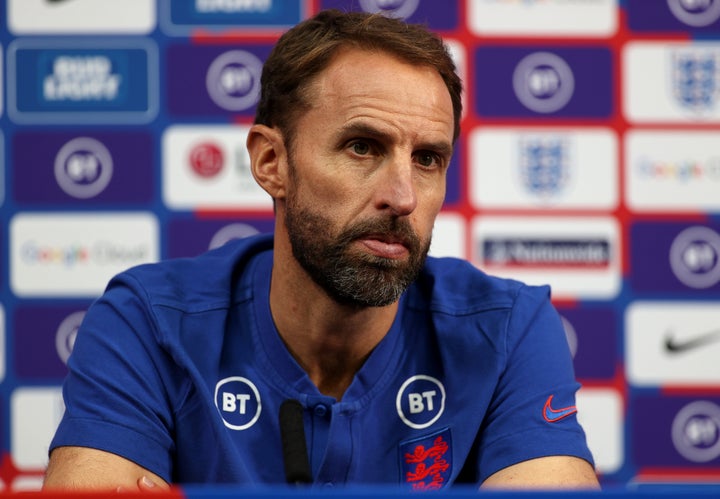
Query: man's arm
[551, 472]
[74, 468]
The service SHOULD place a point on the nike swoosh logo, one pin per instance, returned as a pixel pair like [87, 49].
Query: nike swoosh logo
[553, 415]
[673, 345]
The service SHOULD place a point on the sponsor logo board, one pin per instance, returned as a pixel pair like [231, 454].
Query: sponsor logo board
[64, 168]
[76, 254]
[672, 170]
[672, 343]
[214, 81]
[675, 431]
[102, 17]
[209, 167]
[545, 168]
[579, 257]
[543, 82]
[581, 18]
[62, 80]
[675, 257]
[673, 82]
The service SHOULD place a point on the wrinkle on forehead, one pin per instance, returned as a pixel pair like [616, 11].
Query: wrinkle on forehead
[361, 77]
[376, 85]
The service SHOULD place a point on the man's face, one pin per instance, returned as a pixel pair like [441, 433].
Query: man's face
[367, 176]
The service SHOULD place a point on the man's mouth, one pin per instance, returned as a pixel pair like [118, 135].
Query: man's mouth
[385, 246]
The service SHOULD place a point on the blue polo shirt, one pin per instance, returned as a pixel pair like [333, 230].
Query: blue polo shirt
[179, 368]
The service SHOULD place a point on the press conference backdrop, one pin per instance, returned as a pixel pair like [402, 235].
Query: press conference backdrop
[589, 160]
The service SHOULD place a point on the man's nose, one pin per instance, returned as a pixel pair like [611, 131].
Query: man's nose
[396, 188]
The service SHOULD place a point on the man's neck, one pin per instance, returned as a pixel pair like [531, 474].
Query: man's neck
[329, 340]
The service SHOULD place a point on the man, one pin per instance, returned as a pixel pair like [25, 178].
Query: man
[408, 371]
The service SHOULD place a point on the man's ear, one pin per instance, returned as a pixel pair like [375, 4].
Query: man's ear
[268, 159]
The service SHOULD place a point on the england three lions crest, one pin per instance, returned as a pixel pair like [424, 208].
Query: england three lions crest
[695, 79]
[426, 462]
[544, 165]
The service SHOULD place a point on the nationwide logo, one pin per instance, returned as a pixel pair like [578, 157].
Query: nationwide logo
[531, 252]
[83, 167]
[696, 431]
[695, 257]
[696, 13]
[401, 9]
[233, 80]
[696, 79]
[543, 82]
[675, 345]
[544, 164]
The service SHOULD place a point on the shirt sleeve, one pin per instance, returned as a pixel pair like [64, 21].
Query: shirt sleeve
[119, 390]
[532, 413]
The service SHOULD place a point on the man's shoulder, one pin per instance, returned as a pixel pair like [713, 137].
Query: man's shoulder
[456, 287]
[212, 278]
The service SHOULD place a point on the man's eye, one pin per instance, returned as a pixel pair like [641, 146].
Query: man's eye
[427, 159]
[361, 148]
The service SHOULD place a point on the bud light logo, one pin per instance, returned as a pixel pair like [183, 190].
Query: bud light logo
[696, 13]
[400, 9]
[696, 431]
[695, 257]
[420, 401]
[83, 167]
[233, 80]
[543, 82]
[238, 401]
[67, 333]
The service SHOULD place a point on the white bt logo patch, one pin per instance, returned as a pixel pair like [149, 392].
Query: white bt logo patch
[238, 401]
[420, 401]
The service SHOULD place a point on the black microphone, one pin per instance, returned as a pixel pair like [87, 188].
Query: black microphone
[292, 434]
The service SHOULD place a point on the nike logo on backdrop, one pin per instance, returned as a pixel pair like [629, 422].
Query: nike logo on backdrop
[552, 415]
[674, 345]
